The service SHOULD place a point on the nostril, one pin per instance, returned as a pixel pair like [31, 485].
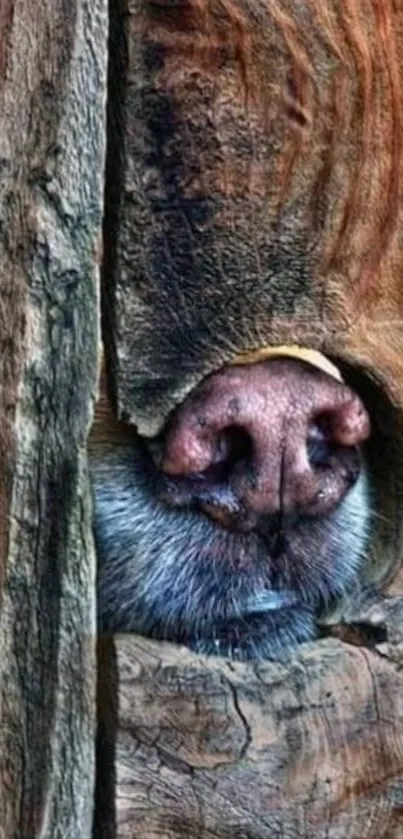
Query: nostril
[235, 444]
[228, 447]
[231, 447]
[319, 447]
[222, 448]
[322, 443]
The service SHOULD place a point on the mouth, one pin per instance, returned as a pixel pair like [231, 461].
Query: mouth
[261, 604]
[251, 631]
[241, 630]
[240, 588]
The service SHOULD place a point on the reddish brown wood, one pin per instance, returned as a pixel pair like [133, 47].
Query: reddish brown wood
[233, 125]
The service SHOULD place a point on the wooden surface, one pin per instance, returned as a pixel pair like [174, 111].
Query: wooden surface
[52, 138]
[253, 199]
[311, 749]
[251, 196]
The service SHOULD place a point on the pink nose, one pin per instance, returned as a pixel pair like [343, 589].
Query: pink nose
[280, 435]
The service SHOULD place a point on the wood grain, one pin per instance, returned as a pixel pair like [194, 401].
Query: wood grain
[52, 143]
[254, 198]
[310, 749]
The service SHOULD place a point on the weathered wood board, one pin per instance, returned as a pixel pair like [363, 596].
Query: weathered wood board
[251, 196]
[207, 181]
[312, 749]
[53, 59]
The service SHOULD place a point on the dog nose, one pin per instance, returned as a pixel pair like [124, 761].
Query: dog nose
[257, 439]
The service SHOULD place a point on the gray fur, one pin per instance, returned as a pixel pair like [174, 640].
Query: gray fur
[177, 576]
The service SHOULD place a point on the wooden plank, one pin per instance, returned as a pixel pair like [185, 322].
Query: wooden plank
[52, 137]
[253, 198]
[312, 748]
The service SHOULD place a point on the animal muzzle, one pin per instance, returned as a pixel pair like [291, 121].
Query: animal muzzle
[277, 431]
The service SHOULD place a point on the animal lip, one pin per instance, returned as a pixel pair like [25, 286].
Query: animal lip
[268, 601]
[232, 631]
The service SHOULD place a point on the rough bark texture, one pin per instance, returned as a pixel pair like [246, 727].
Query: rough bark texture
[312, 749]
[254, 198]
[52, 135]
[254, 190]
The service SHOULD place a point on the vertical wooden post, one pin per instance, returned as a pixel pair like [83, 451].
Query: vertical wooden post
[311, 748]
[52, 136]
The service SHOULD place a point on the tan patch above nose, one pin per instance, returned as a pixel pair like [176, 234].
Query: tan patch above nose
[313, 357]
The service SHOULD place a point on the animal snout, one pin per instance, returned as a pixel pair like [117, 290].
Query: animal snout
[277, 437]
